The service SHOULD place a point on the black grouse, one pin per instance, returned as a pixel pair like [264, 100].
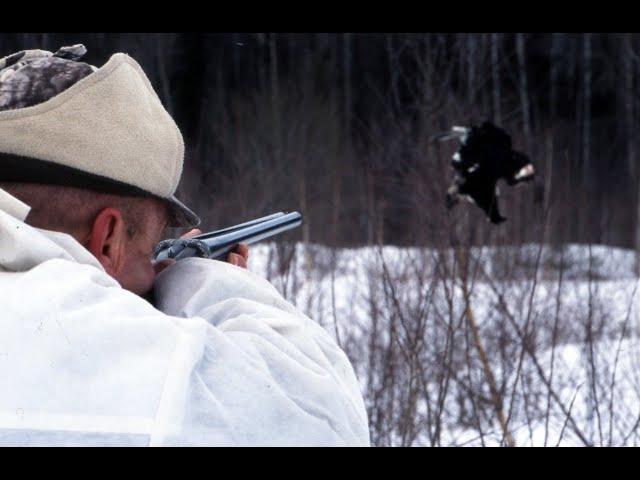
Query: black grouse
[485, 156]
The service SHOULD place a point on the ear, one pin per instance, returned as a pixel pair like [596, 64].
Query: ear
[107, 240]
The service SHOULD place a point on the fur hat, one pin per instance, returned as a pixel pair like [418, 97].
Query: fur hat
[66, 122]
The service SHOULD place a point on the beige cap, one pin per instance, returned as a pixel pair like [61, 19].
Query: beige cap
[108, 131]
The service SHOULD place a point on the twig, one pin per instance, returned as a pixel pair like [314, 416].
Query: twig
[484, 360]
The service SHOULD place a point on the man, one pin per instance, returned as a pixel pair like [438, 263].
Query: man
[89, 163]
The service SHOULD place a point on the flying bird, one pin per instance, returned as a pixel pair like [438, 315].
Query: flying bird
[484, 157]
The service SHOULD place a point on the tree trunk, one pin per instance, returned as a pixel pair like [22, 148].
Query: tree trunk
[471, 70]
[347, 89]
[526, 120]
[523, 90]
[586, 136]
[554, 62]
[629, 96]
[495, 79]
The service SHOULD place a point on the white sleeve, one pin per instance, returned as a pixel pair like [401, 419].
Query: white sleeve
[269, 375]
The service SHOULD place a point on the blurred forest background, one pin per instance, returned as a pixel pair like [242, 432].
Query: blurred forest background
[340, 127]
[461, 333]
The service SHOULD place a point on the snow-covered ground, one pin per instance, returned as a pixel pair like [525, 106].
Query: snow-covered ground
[399, 313]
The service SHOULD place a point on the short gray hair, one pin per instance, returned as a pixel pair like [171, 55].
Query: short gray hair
[71, 209]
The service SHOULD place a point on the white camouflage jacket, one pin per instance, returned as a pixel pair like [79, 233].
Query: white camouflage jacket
[223, 360]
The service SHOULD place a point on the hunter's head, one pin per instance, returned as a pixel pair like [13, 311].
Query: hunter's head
[94, 154]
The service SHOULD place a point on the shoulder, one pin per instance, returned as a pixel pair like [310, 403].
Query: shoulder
[193, 283]
[263, 360]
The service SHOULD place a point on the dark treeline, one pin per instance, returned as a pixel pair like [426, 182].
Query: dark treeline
[341, 127]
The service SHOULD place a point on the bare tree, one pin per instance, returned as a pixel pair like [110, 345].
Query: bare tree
[586, 86]
[523, 89]
[495, 77]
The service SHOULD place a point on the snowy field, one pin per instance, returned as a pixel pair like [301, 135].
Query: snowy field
[559, 328]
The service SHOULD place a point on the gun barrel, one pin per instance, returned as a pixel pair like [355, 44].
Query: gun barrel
[216, 233]
[221, 242]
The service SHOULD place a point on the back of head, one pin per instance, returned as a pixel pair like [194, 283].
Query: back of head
[71, 210]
